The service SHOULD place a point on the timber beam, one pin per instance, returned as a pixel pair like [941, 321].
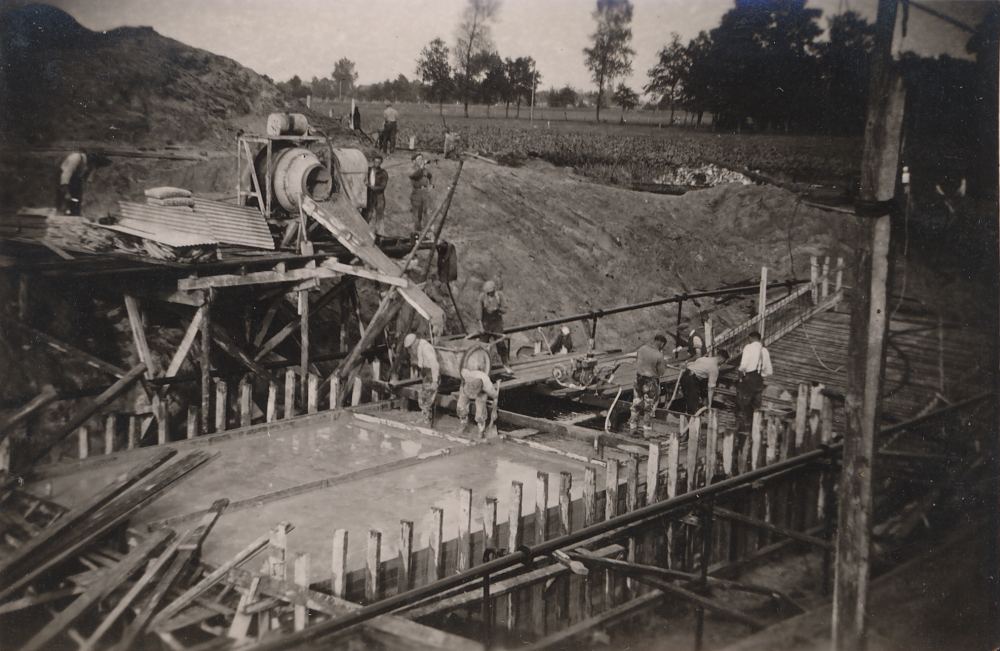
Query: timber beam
[767, 526]
[328, 269]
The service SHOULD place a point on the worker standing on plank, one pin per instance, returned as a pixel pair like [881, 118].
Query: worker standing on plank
[755, 365]
[419, 198]
[378, 179]
[477, 387]
[649, 366]
[72, 172]
[491, 308]
[424, 357]
[390, 117]
[699, 377]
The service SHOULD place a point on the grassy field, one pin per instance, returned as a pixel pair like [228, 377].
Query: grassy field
[643, 149]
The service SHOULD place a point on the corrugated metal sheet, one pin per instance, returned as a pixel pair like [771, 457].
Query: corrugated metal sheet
[173, 225]
[210, 222]
[236, 224]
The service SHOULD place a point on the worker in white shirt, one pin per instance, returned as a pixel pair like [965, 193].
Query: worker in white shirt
[755, 365]
[699, 378]
[476, 387]
[71, 176]
[424, 357]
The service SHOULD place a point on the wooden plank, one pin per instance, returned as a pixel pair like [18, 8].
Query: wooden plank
[189, 549]
[711, 445]
[673, 476]
[541, 507]
[242, 620]
[185, 346]
[589, 497]
[44, 398]
[269, 277]
[221, 405]
[436, 545]
[515, 533]
[108, 581]
[230, 348]
[139, 336]
[339, 579]
[783, 531]
[301, 614]
[694, 441]
[405, 576]
[206, 583]
[490, 530]
[563, 639]
[63, 347]
[26, 552]
[653, 473]
[565, 503]
[464, 530]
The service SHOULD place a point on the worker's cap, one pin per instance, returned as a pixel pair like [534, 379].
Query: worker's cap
[416, 156]
[409, 340]
[489, 286]
[660, 338]
[565, 330]
[377, 157]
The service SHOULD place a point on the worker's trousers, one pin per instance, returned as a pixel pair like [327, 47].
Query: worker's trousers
[427, 395]
[644, 398]
[418, 206]
[463, 409]
[376, 214]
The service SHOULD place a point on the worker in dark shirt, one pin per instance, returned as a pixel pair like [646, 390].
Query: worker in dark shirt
[378, 179]
[419, 197]
[649, 366]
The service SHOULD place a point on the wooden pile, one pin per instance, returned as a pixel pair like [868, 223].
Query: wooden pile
[48, 227]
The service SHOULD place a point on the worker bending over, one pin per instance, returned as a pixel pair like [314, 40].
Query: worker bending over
[649, 366]
[699, 378]
[476, 386]
[424, 357]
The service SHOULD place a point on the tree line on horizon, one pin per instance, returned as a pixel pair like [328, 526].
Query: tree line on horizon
[763, 68]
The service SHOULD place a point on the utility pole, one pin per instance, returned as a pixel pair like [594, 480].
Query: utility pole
[534, 82]
[868, 334]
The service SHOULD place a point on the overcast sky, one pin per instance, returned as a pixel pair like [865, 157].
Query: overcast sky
[282, 38]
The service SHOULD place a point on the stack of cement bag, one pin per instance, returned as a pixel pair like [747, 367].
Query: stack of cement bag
[167, 196]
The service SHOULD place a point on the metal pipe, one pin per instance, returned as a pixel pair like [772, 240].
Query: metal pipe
[525, 555]
[596, 314]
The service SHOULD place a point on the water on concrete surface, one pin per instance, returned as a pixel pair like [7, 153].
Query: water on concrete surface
[380, 502]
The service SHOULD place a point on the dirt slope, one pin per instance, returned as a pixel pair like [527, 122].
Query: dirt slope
[60, 81]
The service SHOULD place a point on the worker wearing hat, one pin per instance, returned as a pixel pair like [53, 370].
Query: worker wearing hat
[649, 366]
[491, 310]
[420, 179]
[563, 343]
[424, 357]
[390, 116]
[476, 387]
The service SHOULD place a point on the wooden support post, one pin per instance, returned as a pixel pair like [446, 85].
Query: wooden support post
[694, 440]
[23, 291]
[756, 435]
[272, 403]
[334, 392]
[867, 341]
[277, 551]
[711, 445]
[801, 414]
[653, 474]
[814, 279]
[541, 507]
[205, 338]
[356, 392]
[840, 275]
[727, 453]
[312, 399]
[133, 432]
[405, 580]
[244, 391]
[825, 282]
[589, 496]
[83, 441]
[611, 489]
[709, 336]
[5, 456]
[771, 455]
[515, 538]
[290, 393]
[303, 299]
[339, 564]
[373, 587]
[221, 405]
[192, 422]
[673, 454]
[110, 425]
[762, 300]
[565, 503]
[377, 375]
[302, 579]
[435, 568]
[464, 529]
[490, 536]
[631, 502]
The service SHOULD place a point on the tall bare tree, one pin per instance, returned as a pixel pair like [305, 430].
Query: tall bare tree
[472, 37]
[610, 57]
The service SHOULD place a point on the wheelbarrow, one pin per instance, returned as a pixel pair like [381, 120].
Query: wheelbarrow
[466, 351]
